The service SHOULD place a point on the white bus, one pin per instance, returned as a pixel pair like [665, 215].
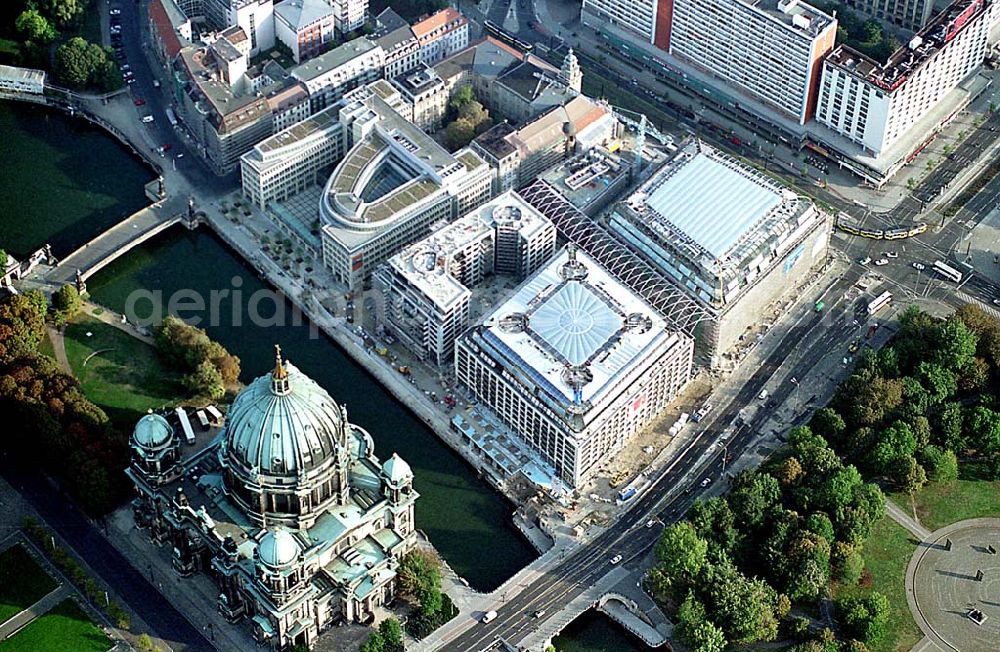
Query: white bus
[879, 302]
[947, 271]
[185, 425]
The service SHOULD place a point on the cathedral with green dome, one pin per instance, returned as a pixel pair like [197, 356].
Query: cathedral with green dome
[286, 507]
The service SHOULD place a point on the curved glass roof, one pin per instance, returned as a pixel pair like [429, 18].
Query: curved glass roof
[575, 321]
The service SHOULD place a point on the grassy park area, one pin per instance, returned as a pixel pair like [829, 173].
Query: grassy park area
[887, 553]
[941, 504]
[22, 582]
[64, 628]
[118, 372]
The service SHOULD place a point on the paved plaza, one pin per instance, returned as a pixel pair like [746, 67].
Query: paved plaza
[942, 587]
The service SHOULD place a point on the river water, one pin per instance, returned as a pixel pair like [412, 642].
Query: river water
[63, 182]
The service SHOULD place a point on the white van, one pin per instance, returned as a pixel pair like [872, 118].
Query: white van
[489, 616]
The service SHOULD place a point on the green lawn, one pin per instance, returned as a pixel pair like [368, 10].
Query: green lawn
[887, 553]
[22, 582]
[942, 504]
[45, 346]
[125, 377]
[64, 628]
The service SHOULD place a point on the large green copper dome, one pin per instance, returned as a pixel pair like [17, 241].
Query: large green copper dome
[283, 423]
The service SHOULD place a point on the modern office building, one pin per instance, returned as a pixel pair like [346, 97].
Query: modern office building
[306, 27]
[256, 17]
[293, 159]
[908, 14]
[441, 35]
[518, 155]
[874, 105]
[733, 238]
[575, 363]
[426, 287]
[392, 184]
[329, 76]
[287, 508]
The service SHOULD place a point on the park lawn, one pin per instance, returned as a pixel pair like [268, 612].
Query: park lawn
[64, 628]
[887, 553]
[125, 377]
[940, 504]
[22, 582]
[45, 346]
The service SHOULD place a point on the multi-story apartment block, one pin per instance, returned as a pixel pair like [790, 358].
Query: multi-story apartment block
[392, 184]
[875, 104]
[575, 363]
[636, 16]
[441, 35]
[225, 120]
[518, 155]
[908, 14]
[428, 96]
[426, 287]
[397, 40]
[289, 104]
[329, 76]
[770, 51]
[293, 159]
[349, 14]
[256, 17]
[306, 27]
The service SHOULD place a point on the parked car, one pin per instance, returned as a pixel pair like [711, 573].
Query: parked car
[891, 254]
[115, 12]
[707, 481]
[616, 559]
[138, 101]
[881, 261]
[865, 260]
[919, 267]
[147, 119]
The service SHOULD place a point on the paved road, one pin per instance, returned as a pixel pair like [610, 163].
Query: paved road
[107, 562]
[629, 537]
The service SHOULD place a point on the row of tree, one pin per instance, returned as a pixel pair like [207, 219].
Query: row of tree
[419, 584]
[734, 568]
[209, 368]
[913, 410]
[51, 424]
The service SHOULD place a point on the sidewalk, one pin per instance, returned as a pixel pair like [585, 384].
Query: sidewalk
[896, 513]
[41, 607]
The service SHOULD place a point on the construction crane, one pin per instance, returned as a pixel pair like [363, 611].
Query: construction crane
[642, 128]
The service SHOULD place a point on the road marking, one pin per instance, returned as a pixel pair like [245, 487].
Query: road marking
[968, 298]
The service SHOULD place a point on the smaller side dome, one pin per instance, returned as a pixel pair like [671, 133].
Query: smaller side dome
[152, 431]
[278, 548]
[396, 470]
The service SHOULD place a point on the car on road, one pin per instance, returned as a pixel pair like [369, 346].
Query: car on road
[855, 345]
[651, 522]
[138, 101]
[762, 395]
[996, 302]
[167, 147]
[919, 267]
[539, 613]
[616, 559]
[881, 261]
[489, 616]
[115, 12]
[891, 254]
[147, 119]
[130, 80]
[865, 260]
[707, 481]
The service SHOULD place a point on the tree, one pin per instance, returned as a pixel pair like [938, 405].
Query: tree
[420, 580]
[974, 376]
[76, 62]
[949, 425]
[65, 11]
[752, 493]
[789, 472]
[819, 523]
[464, 95]
[865, 618]
[848, 564]
[838, 491]
[955, 344]
[67, 300]
[22, 325]
[745, 609]
[206, 380]
[713, 521]
[983, 426]
[941, 465]
[459, 133]
[4, 259]
[695, 630]
[828, 424]
[392, 635]
[374, 643]
[34, 26]
[938, 379]
[911, 476]
[681, 555]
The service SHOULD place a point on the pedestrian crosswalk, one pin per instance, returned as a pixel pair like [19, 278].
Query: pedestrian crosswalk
[990, 310]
